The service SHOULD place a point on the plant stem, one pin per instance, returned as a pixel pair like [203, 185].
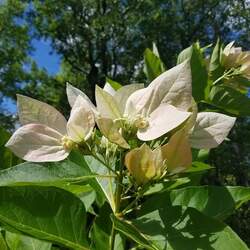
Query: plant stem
[226, 74]
[139, 195]
[118, 193]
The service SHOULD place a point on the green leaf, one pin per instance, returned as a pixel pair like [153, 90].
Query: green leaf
[129, 230]
[49, 174]
[79, 159]
[7, 158]
[88, 198]
[198, 167]
[21, 242]
[153, 66]
[218, 202]
[215, 67]
[115, 85]
[161, 226]
[105, 186]
[101, 231]
[3, 245]
[198, 68]
[230, 100]
[166, 186]
[46, 213]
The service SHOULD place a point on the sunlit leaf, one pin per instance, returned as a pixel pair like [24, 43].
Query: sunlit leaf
[207, 199]
[46, 213]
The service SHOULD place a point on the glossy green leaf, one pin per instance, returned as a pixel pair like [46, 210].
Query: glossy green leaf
[23, 242]
[48, 174]
[106, 185]
[161, 226]
[198, 68]
[218, 202]
[198, 167]
[115, 85]
[166, 186]
[230, 100]
[3, 245]
[153, 66]
[101, 231]
[46, 213]
[129, 230]
[215, 67]
[88, 198]
[7, 158]
[80, 160]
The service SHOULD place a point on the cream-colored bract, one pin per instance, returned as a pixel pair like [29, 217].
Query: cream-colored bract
[145, 164]
[73, 93]
[210, 129]
[163, 105]
[110, 106]
[162, 120]
[173, 87]
[37, 143]
[33, 111]
[111, 131]
[166, 104]
[234, 57]
[46, 135]
[177, 152]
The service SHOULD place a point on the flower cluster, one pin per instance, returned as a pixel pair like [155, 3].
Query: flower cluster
[234, 57]
[156, 126]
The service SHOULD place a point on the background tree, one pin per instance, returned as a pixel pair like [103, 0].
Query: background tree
[106, 37]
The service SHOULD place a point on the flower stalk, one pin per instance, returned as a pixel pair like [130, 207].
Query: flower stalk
[118, 195]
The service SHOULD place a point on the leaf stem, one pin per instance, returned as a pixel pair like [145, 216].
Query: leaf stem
[118, 194]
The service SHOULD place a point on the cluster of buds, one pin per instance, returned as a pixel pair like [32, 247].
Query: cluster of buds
[162, 120]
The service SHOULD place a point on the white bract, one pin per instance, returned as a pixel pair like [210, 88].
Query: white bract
[234, 57]
[163, 106]
[46, 135]
[210, 129]
[153, 111]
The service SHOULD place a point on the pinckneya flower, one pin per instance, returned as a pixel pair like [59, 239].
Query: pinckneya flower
[152, 112]
[234, 57]
[110, 106]
[164, 105]
[145, 164]
[203, 130]
[46, 135]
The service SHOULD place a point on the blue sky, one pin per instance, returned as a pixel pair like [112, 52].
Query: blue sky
[46, 58]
